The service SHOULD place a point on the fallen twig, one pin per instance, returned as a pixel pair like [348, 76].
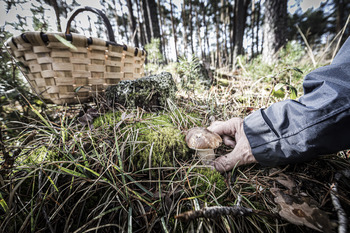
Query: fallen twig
[342, 218]
[216, 211]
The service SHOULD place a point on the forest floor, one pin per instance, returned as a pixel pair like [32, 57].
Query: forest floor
[60, 176]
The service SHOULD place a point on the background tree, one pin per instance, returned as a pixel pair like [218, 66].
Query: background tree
[216, 31]
[275, 27]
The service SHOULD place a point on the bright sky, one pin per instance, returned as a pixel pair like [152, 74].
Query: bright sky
[294, 5]
[24, 11]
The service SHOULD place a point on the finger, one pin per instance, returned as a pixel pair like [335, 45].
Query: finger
[213, 126]
[229, 141]
[222, 128]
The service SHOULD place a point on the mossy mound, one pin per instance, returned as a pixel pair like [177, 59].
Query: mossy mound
[150, 93]
[151, 140]
[164, 145]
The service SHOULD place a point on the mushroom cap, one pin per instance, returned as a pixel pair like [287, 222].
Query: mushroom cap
[202, 138]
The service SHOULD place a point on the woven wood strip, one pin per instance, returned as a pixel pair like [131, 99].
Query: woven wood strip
[56, 70]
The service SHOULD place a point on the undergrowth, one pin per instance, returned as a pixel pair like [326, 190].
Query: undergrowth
[130, 171]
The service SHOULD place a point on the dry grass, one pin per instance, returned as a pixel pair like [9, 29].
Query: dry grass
[69, 178]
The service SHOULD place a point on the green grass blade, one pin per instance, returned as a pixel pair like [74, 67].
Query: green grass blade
[53, 183]
[93, 172]
[74, 173]
[3, 203]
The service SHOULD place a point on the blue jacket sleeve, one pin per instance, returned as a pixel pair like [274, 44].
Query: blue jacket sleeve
[319, 123]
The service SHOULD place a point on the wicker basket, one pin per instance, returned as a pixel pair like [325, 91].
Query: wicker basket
[61, 74]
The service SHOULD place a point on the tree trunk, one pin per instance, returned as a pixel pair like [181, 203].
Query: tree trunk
[125, 24]
[191, 27]
[206, 36]
[148, 19]
[275, 24]
[57, 13]
[161, 33]
[184, 20]
[223, 12]
[132, 23]
[153, 12]
[240, 22]
[232, 31]
[257, 27]
[144, 22]
[340, 6]
[173, 28]
[198, 24]
[217, 31]
[252, 24]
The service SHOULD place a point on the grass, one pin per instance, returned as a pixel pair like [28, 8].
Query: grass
[69, 178]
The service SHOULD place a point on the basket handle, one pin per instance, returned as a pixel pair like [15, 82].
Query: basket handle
[98, 12]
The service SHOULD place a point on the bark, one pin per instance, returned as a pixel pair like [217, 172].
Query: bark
[123, 20]
[151, 20]
[162, 39]
[133, 24]
[144, 22]
[257, 27]
[253, 25]
[148, 19]
[240, 22]
[199, 34]
[224, 25]
[217, 32]
[191, 26]
[232, 31]
[275, 23]
[173, 28]
[206, 36]
[340, 6]
[184, 20]
[141, 32]
[154, 20]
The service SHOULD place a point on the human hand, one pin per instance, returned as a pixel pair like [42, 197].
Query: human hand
[233, 135]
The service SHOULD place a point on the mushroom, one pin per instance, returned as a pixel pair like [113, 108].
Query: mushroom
[203, 141]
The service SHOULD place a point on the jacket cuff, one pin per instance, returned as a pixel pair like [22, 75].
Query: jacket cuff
[261, 137]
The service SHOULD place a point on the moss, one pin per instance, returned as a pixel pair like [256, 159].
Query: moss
[165, 143]
[150, 93]
[206, 178]
[154, 136]
[41, 154]
[162, 118]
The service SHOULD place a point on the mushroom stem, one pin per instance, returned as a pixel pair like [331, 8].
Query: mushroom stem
[206, 155]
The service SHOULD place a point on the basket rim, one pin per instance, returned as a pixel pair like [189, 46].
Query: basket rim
[69, 37]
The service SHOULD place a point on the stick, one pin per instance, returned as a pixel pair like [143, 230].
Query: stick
[342, 218]
[216, 211]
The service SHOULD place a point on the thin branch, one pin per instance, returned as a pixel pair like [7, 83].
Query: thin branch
[217, 211]
[342, 218]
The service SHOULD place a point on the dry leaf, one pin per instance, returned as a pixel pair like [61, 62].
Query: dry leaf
[298, 212]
